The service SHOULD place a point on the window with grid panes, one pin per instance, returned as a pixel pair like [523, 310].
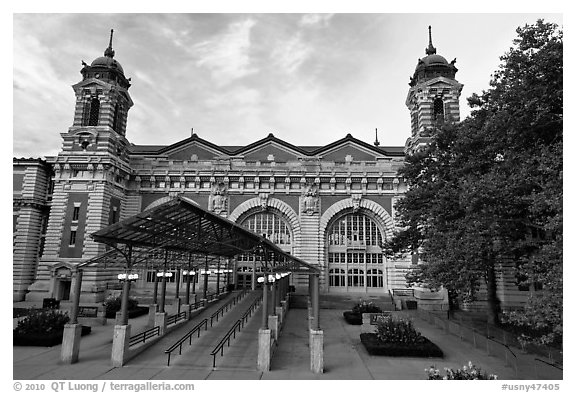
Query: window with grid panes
[273, 227]
[355, 240]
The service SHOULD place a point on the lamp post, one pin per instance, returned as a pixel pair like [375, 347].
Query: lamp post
[125, 278]
[164, 275]
[187, 274]
[206, 273]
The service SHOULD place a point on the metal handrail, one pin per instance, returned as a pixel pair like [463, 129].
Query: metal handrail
[178, 344]
[555, 364]
[226, 306]
[239, 324]
[197, 305]
[475, 332]
[175, 318]
[141, 337]
[403, 291]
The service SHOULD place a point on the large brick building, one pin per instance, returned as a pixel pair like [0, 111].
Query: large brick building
[330, 205]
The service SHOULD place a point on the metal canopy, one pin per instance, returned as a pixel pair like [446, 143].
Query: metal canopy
[188, 233]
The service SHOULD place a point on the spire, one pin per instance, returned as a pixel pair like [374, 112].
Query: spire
[109, 52]
[430, 50]
[376, 143]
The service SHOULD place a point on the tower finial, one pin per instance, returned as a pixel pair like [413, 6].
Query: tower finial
[376, 143]
[109, 51]
[430, 50]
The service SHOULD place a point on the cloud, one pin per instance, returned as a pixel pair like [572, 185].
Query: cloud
[315, 20]
[291, 54]
[227, 56]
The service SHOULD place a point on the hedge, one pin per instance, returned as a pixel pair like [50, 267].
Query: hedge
[43, 340]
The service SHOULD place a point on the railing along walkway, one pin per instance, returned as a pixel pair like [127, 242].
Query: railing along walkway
[187, 336]
[483, 340]
[152, 353]
[238, 326]
[215, 317]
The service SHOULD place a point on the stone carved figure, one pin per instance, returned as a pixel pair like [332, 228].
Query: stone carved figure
[263, 201]
[356, 202]
[218, 198]
[310, 203]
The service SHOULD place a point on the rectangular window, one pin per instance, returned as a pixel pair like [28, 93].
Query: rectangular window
[75, 213]
[114, 214]
[72, 238]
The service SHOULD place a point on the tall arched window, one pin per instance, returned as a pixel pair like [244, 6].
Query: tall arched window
[438, 109]
[354, 248]
[91, 112]
[271, 225]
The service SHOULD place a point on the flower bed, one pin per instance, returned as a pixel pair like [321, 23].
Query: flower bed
[397, 337]
[354, 317]
[374, 346]
[113, 304]
[132, 313]
[470, 372]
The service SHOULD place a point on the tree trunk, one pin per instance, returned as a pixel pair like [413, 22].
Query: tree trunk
[492, 299]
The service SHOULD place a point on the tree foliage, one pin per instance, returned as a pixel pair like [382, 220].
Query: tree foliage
[488, 191]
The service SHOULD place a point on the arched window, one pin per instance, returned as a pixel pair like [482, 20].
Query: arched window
[272, 226]
[91, 112]
[354, 245]
[438, 109]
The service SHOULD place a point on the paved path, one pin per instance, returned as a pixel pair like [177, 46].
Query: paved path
[345, 357]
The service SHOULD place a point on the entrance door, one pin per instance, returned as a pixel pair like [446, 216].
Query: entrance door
[244, 281]
[64, 291]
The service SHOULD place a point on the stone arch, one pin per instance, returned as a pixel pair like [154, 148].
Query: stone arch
[158, 202]
[381, 214]
[254, 205]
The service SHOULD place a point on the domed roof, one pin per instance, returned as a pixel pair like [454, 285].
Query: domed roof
[432, 65]
[434, 59]
[107, 61]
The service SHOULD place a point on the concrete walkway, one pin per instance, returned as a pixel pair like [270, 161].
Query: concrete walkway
[344, 356]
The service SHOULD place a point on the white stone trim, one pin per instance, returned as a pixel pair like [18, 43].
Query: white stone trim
[158, 202]
[273, 203]
[366, 204]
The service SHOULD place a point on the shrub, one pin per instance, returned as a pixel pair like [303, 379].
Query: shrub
[367, 307]
[42, 322]
[391, 330]
[466, 372]
[113, 304]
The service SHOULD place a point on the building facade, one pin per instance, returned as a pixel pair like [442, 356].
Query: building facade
[331, 206]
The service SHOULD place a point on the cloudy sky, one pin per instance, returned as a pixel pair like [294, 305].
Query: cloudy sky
[308, 78]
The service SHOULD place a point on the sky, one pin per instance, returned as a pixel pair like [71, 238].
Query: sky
[309, 79]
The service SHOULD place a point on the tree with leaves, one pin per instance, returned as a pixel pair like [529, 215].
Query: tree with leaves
[489, 189]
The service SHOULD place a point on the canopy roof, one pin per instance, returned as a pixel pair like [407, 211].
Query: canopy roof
[182, 231]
